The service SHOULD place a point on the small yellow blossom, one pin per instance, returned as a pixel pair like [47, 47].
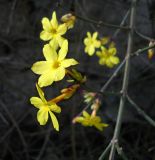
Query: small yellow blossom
[105, 40]
[91, 43]
[152, 50]
[53, 31]
[69, 20]
[53, 69]
[90, 120]
[45, 109]
[107, 57]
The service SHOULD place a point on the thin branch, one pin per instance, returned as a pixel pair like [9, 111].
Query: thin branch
[105, 152]
[44, 144]
[17, 127]
[11, 16]
[141, 112]
[143, 36]
[120, 152]
[101, 23]
[121, 24]
[125, 82]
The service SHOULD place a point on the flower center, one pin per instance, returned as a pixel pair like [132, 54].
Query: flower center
[53, 31]
[56, 65]
[46, 108]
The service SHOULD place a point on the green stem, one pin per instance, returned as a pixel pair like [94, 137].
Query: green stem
[105, 152]
[141, 112]
[101, 23]
[125, 83]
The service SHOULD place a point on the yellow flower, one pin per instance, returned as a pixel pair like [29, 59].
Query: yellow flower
[91, 43]
[69, 20]
[107, 57]
[90, 120]
[53, 69]
[53, 31]
[45, 109]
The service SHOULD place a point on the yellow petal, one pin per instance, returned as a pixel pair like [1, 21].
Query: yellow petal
[54, 121]
[49, 53]
[46, 79]
[59, 74]
[44, 35]
[37, 102]
[89, 34]
[112, 51]
[79, 119]
[86, 114]
[60, 40]
[99, 54]
[114, 60]
[40, 67]
[86, 41]
[91, 50]
[42, 116]
[68, 62]
[104, 49]
[97, 44]
[62, 29]
[55, 108]
[102, 61]
[54, 43]
[95, 35]
[46, 24]
[63, 51]
[41, 93]
[109, 63]
[54, 21]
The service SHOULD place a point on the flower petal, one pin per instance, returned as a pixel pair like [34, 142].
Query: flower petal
[112, 51]
[86, 114]
[40, 67]
[46, 24]
[79, 119]
[37, 102]
[97, 44]
[89, 34]
[44, 35]
[49, 53]
[114, 60]
[91, 50]
[54, 121]
[95, 35]
[68, 62]
[42, 116]
[62, 29]
[46, 79]
[54, 21]
[59, 74]
[54, 43]
[41, 93]
[63, 51]
[54, 107]
[60, 40]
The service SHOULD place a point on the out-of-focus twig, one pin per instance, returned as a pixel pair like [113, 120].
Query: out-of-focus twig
[17, 127]
[141, 112]
[125, 82]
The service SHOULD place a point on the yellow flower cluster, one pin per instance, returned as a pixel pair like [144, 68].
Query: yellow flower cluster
[90, 120]
[53, 68]
[106, 56]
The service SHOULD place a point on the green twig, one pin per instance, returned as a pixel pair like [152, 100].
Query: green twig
[141, 112]
[105, 152]
[101, 23]
[125, 82]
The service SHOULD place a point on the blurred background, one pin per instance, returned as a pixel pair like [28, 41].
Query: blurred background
[21, 137]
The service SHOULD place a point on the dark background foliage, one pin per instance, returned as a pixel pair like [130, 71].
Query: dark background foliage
[21, 137]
